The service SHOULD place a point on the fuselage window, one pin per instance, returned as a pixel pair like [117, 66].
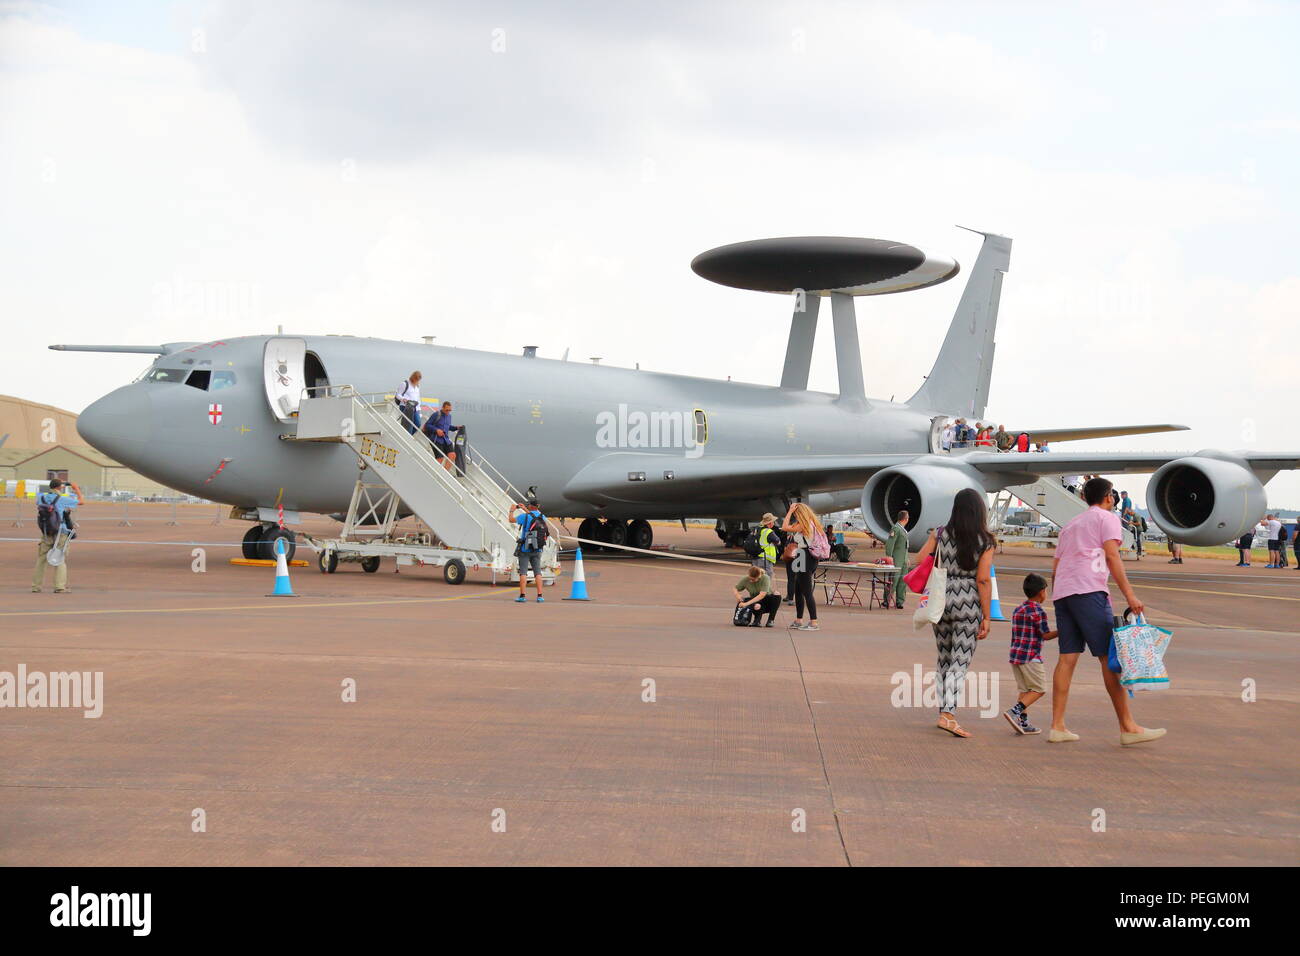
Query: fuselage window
[199, 379]
[701, 427]
[165, 375]
[222, 380]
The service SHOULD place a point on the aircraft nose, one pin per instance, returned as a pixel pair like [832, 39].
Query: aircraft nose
[120, 424]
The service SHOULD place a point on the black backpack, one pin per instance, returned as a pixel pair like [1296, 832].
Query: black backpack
[753, 547]
[535, 534]
[47, 518]
[743, 616]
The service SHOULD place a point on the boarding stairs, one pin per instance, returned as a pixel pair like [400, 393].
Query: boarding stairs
[466, 506]
[1053, 501]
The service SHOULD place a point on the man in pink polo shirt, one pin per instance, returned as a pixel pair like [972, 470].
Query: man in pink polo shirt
[1086, 551]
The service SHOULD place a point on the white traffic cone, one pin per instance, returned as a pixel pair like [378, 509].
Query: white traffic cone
[579, 589]
[282, 587]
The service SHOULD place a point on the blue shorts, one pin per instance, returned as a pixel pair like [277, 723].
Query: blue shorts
[1084, 620]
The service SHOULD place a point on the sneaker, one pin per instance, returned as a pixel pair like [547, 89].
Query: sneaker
[521, 600]
[60, 590]
[770, 623]
[540, 599]
[1015, 719]
[811, 627]
[1060, 736]
[1027, 728]
[36, 590]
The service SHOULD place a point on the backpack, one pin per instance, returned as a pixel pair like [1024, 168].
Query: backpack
[820, 548]
[743, 616]
[753, 547]
[535, 534]
[47, 518]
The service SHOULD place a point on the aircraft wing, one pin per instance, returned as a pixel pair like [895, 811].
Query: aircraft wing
[640, 476]
[1096, 431]
[164, 349]
[1104, 462]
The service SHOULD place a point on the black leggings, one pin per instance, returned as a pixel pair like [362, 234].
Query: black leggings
[803, 588]
[769, 606]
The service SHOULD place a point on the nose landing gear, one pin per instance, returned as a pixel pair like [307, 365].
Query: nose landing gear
[259, 543]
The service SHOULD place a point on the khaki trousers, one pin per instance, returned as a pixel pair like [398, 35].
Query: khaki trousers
[60, 572]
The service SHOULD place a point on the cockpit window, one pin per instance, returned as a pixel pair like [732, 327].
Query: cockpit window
[221, 380]
[165, 375]
[199, 379]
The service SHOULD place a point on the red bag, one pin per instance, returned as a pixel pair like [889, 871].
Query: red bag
[917, 578]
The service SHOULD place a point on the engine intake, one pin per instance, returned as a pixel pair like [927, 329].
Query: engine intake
[924, 489]
[1207, 499]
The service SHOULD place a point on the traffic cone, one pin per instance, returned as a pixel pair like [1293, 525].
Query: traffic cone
[282, 588]
[995, 606]
[579, 590]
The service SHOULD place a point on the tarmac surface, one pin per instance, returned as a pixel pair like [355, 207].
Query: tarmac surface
[486, 732]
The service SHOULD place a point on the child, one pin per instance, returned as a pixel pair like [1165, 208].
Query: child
[1028, 631]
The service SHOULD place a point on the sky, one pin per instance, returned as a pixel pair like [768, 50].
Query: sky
[500, 174]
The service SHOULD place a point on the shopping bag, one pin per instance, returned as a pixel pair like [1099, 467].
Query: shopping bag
[917, 577]
[932, 601]
[1139, 649]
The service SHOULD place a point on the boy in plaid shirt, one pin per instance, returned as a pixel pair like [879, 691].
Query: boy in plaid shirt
[1029, 628]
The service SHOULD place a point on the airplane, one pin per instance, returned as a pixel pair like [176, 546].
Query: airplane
[616, 447]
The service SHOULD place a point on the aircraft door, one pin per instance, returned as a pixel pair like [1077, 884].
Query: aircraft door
[937, 425]
[283, 369]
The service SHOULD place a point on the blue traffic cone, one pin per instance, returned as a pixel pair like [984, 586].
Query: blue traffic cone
[282, 588]
[995, 606]
[579, 590]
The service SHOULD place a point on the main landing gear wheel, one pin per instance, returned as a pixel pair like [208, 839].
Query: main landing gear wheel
[252, 538]
[266, 546]
[589, 530]
[371, 564]
[328, 561]
[640, 534]
[615, 532]
[453, 572]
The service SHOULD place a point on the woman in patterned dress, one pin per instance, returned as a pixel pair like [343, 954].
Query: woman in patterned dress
[965, 552]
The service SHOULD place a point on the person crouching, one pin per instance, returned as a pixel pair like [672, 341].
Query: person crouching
[754, 591]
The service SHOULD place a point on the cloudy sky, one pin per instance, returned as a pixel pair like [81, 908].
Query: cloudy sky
[506, 173]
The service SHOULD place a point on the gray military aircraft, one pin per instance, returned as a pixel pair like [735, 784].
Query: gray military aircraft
[616, 446]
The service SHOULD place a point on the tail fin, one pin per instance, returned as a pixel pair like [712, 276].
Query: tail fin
[958, 384]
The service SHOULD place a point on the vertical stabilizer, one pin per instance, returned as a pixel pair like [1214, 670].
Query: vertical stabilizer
[958, 384]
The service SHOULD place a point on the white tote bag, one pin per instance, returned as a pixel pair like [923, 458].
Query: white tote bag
[932, 601]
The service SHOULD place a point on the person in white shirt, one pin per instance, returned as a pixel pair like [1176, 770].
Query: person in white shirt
[949, 436]
[1273, 531]
[408, 400]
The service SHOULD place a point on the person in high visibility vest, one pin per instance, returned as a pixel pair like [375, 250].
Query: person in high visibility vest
[767, 540]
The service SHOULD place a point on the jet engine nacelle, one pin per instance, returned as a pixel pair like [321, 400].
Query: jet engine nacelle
[923, 488]
[1209, 498]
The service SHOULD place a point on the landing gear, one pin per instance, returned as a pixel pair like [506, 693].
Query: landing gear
[615, 532]
[640, 534]
[252, 538]
[266, 543]
[731, 532]
[589, 530]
